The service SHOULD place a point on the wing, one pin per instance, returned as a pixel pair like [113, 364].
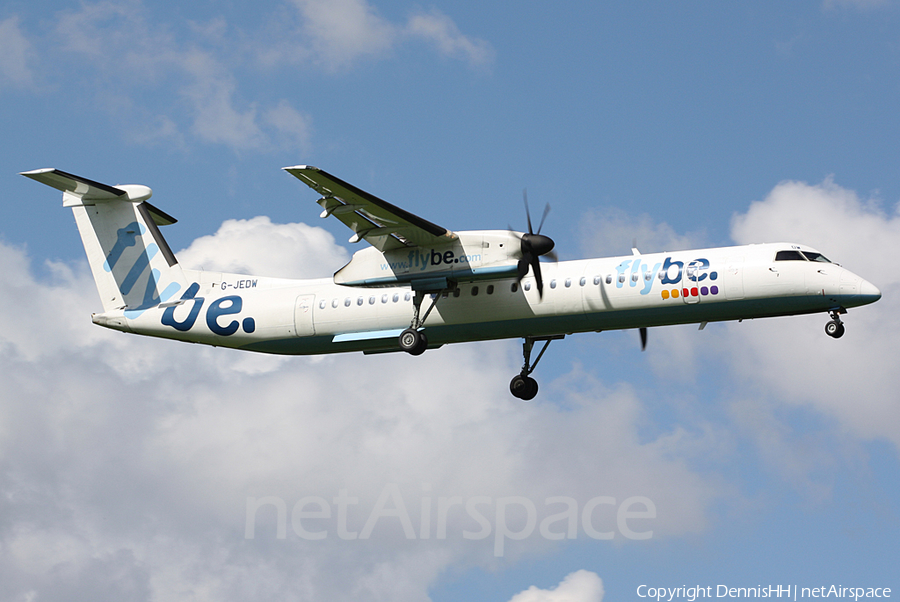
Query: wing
[381, 224]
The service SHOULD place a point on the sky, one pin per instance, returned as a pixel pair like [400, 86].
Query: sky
[752, 454]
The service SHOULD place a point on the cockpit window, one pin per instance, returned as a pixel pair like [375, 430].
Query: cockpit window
[789, 256]
[816, 257]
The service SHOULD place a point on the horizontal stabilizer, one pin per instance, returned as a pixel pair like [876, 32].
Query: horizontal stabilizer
[90, 192]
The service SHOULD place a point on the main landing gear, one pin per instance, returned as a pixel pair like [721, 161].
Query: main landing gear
[413, 339]
[522, 385]
[835, 328]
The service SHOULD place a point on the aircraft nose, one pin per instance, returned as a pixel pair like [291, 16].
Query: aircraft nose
[868, 292]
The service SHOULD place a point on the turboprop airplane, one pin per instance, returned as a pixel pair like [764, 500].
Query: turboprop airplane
[479, 285]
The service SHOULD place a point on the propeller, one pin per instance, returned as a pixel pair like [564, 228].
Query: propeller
[534, 245]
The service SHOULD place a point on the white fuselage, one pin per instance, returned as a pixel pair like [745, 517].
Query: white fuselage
[318, 316]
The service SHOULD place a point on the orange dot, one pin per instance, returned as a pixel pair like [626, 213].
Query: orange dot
[665, 294]
[675, 293]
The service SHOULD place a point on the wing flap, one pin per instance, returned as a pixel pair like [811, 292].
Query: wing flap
[381, 224]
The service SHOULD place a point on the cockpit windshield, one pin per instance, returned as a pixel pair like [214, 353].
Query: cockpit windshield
[789, 256]
[794, 255]
[813, 256]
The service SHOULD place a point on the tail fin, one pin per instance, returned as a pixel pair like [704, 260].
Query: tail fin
[133, 267]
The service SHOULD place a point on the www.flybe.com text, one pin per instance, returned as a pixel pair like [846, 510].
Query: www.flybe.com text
[422, 259]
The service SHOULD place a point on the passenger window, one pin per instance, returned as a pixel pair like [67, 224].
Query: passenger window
[474, 291]
[597, 280]
[514, 287]
[334, 302]
[384, 298]
[568, 282]
[322, 304]
[372, 300]
[396, 297]
[527, 286]
[407, 297]
[553, 283]
[583, 281]
[609, 279]
[490, 289]
[621, 277]
[789, 256]
[359, 300]
[347, 302]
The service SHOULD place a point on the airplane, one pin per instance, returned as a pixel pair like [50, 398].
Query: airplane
[479, 285]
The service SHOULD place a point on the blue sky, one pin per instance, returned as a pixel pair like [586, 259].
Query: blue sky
[769, 450]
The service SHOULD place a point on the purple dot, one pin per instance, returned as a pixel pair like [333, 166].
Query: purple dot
[714, 290]
[704, 291]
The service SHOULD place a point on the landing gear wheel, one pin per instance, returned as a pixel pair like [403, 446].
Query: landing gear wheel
[523, 387]
[413, 342]
[834, 329]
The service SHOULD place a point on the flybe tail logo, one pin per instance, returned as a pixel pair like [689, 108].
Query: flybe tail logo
[694, 279]
[127, 237]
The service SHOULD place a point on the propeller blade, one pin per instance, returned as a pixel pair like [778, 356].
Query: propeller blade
[527, 212]
[543, 217]
[538, 278]
[522, 268]
[643, 339]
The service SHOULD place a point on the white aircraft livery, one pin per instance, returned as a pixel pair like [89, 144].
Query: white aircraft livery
[476, 285]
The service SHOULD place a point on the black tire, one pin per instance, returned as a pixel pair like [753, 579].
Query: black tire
[523, 387]
[413, 342]
[834, 329]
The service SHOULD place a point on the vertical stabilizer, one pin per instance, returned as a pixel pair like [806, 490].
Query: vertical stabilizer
[132, 264]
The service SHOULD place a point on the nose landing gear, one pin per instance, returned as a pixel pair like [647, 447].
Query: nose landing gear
[835, 328]
[522, 385]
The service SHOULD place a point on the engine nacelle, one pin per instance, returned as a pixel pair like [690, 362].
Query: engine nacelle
[474, 255]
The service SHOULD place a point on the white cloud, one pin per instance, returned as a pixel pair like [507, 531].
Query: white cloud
[128, 461]
[259, 247]
[580, 586]
[17, 56]
[610, 231]
[135, 58]
[342, 31]
[440, 30]
[852, 380]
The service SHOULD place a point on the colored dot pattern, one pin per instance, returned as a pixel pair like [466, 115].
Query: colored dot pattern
[702, 291]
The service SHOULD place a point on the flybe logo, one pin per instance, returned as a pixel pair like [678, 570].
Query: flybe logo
[694, 279]
[218, 309]
[127, 237]
[422, 259]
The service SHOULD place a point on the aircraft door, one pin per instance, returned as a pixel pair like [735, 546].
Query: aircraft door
[690, 290]
[303, 315]
[734, 278]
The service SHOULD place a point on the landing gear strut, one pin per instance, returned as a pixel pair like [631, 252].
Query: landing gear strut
[413, 339]
[522, 385]
[835, 328]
